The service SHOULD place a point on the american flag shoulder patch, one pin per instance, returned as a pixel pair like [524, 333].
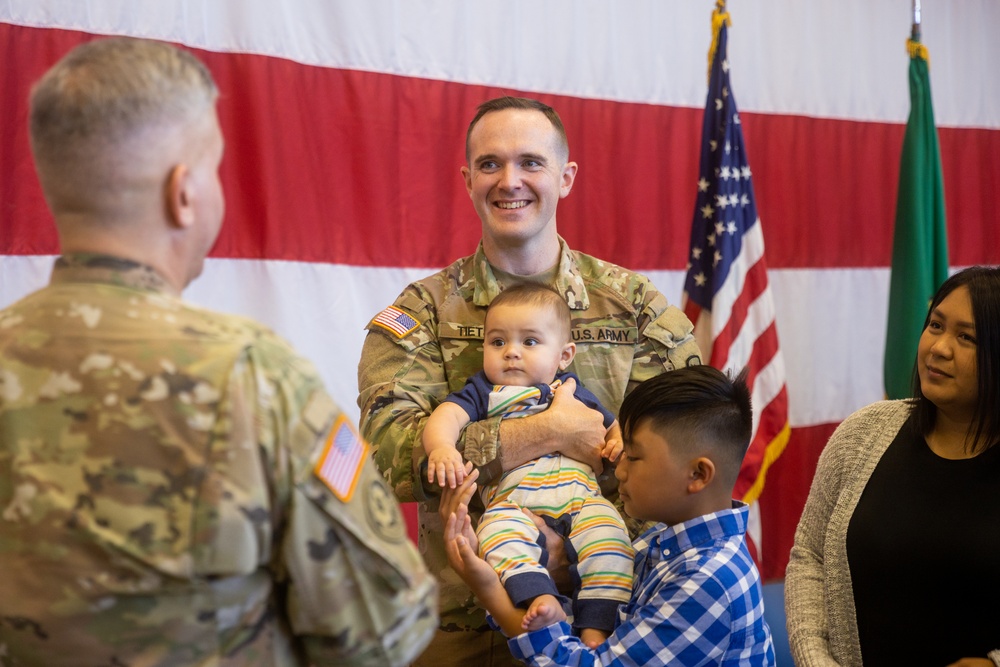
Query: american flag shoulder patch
[344, 454]
[395, 320]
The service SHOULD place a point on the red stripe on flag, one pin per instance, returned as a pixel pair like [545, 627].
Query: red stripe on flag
[753, 286]
[693, 312]
[765, 346]
[359, 168]
[764, 449]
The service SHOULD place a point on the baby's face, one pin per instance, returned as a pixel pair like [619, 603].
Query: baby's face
[524, 345]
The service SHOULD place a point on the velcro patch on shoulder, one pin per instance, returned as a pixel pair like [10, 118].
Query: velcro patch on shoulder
[343, 457]
[394, 320]
[319, 411]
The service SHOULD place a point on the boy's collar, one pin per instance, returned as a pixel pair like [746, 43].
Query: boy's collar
[694, 532]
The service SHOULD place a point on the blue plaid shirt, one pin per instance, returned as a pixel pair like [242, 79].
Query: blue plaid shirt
[696, 600]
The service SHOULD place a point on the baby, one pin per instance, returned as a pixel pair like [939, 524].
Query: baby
[527, 348]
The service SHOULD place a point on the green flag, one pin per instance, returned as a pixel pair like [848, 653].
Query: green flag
[920, 242]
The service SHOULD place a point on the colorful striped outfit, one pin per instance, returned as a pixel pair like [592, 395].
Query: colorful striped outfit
[566, 493]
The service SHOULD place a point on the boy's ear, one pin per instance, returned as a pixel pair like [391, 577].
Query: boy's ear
[701, 474]
[566, 358]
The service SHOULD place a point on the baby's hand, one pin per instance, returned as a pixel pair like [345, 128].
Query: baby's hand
[612, 448]
[447, 466]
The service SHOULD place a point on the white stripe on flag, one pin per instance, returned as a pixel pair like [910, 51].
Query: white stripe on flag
[751, 250]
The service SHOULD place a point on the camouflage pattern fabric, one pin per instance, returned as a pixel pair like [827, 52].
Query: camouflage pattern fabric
[158, 504]
[625, 333]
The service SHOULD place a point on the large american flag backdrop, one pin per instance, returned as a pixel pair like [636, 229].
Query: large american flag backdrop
[345, 122]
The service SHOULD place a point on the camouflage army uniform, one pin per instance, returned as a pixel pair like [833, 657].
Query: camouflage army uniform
[625, 333]
[158, 504]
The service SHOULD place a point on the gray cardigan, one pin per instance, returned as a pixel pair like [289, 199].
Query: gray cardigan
[819, 599]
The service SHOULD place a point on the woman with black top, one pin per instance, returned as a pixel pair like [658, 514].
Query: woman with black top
[897, 555]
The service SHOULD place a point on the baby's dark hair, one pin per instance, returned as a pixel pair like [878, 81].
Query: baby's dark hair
[533, 294]
[695, 407]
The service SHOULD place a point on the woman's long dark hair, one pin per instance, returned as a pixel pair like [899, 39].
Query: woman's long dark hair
[983, 283]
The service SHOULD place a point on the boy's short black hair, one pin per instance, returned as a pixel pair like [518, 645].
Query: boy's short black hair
[696, 406]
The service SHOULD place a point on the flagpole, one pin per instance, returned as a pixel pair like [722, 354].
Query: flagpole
[915, 33]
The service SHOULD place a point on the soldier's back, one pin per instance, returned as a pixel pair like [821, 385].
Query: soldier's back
[136, 520]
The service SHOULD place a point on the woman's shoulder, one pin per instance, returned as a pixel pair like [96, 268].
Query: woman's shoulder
[880, 412]
[879, 419]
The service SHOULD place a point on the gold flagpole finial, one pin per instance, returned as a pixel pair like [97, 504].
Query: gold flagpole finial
[720, 17]
[913, 45]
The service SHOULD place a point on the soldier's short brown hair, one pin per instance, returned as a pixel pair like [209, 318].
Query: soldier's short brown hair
[523, 103]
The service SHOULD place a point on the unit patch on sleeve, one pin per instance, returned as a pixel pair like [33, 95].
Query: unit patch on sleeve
[343, 457]
[395, 320]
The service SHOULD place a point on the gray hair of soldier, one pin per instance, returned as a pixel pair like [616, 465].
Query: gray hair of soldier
[538, 296]
[109, 93]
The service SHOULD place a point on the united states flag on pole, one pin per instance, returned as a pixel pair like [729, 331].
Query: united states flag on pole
[726, 291]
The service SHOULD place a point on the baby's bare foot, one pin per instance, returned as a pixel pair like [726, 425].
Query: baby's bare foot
[544, 610]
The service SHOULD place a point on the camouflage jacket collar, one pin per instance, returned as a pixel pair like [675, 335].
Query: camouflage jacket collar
[569, 280]
[96, 268]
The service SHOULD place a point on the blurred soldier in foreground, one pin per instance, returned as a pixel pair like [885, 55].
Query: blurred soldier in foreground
[176, 486]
